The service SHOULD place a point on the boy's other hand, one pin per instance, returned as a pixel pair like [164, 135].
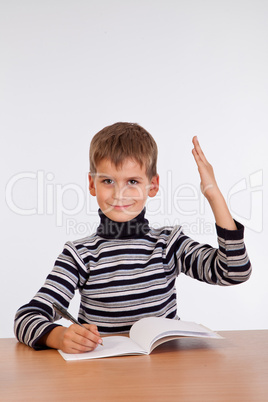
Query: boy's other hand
[208, 183]
[74, 339]
[79, 339]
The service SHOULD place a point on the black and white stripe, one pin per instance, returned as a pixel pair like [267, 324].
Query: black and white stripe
[123, 280]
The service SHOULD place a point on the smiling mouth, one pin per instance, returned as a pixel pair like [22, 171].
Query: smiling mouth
[121, 207]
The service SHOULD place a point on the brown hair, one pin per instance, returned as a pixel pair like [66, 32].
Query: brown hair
[124, 140]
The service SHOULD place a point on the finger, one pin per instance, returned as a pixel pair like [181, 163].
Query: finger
[195, 140]
[195, 150]
[198, 149]
[197, 158]
[84, 338]
[90, 331]
[74, 343]
[195, 143]
[94, 329]
[82, 344]
[78, 348]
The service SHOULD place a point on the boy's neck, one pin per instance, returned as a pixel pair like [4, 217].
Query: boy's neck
[133, 229]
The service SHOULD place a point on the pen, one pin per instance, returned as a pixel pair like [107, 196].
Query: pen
[65, 314]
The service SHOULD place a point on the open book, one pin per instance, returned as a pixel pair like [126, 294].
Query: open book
[144, 336]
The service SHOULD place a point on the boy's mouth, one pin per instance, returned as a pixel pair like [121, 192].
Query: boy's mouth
[121, 207]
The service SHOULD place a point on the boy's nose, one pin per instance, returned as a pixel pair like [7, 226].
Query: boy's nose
[119, 192]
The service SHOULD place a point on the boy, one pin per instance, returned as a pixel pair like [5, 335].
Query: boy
[127, 270]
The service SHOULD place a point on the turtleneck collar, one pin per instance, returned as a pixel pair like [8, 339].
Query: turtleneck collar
[132, 229]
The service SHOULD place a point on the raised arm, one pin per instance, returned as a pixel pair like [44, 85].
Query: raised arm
[211, 190]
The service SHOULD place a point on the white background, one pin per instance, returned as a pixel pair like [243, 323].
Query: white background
[178, 68]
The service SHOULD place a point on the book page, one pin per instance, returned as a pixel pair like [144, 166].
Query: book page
[112, 346]
[147, 331]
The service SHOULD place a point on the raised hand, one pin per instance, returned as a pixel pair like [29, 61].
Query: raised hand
[211, 190]
[208, 183]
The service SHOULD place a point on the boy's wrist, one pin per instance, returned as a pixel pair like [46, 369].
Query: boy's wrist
[52, 339]
[212, 194]
[220, 210]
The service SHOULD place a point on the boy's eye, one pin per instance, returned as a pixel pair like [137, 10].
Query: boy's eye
[132, 182]
[108, 181]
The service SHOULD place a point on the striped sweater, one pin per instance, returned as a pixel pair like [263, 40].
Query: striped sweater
[126, 277]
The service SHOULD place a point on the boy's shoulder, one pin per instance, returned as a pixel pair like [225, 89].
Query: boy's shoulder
[87, 240]
[165, 231]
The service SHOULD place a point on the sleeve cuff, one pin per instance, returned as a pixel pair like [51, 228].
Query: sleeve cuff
[35, 346]
[226, 234]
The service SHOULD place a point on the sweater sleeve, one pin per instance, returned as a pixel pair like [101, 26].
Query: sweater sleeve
[35, 319]
[228, 264]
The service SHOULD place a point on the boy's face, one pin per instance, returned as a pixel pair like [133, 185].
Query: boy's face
[122, 192]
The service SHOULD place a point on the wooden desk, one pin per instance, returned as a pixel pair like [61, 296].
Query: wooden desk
[231, 369]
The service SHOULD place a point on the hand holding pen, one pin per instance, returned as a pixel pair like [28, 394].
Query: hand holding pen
[77, 338]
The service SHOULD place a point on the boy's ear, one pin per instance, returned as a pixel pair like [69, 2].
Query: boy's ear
[92, 189]
[154, 186]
